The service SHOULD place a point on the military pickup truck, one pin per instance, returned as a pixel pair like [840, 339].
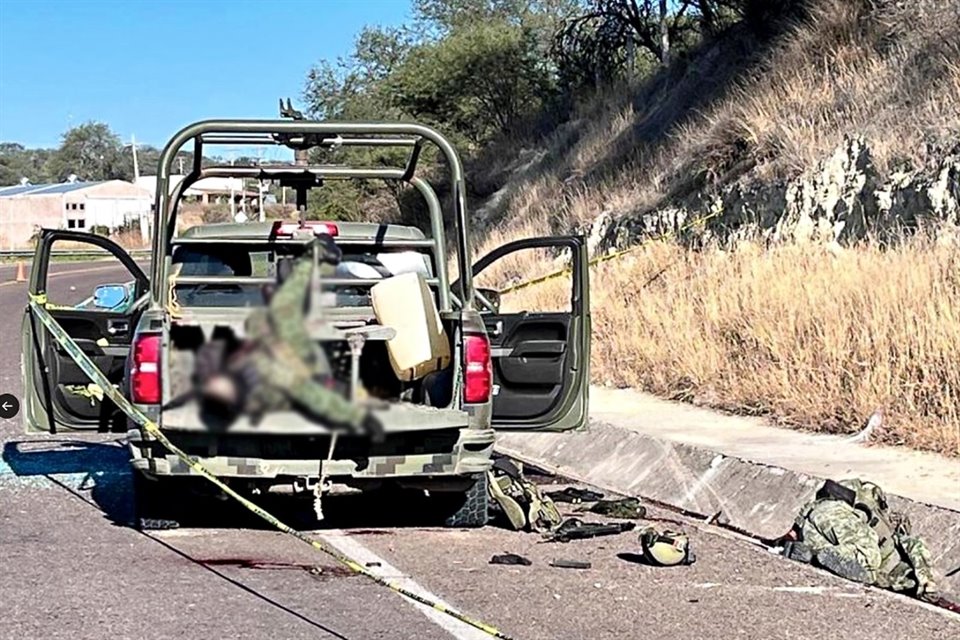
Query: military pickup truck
[519, 371]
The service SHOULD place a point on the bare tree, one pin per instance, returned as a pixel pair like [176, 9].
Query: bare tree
[664, 34]
[606, 34]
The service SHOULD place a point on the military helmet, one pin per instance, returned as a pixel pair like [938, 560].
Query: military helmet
[666, 549]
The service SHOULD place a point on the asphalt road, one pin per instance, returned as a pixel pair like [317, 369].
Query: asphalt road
[72, 568]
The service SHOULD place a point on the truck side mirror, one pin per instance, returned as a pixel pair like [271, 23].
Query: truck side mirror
[109, 296]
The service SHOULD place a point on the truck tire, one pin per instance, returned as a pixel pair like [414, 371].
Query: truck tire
[153, 504]
[470, 508]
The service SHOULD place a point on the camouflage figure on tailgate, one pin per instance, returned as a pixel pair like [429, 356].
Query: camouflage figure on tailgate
[850, 530]
[279, 367]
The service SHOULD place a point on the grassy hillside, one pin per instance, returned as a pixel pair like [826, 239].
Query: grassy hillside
[742, 109]
[817, 337]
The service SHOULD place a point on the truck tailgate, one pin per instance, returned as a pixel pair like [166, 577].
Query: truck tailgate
[395, 418]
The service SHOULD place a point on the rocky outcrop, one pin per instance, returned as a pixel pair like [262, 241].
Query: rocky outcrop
[844, 198]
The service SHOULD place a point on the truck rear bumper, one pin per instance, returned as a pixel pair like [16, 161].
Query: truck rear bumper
[471, 453]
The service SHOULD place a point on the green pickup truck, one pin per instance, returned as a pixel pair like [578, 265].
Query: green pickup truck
[520, 371]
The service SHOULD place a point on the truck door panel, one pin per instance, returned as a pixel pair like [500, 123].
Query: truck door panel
[56, 390]
[540, 358]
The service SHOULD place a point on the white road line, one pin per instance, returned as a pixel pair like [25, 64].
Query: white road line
[349, 545]
[73, 272]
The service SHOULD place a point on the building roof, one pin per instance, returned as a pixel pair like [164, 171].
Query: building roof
[44, 189]
[206, 185]
[98, 189]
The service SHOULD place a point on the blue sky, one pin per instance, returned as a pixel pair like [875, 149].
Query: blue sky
[149, 67]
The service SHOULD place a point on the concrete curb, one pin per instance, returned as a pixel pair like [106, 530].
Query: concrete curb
[757, 498]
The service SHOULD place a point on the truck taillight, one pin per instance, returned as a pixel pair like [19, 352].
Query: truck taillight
[478, 369]
[145, 373]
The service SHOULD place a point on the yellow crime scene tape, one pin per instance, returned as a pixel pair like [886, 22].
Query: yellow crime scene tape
[604, 258]
[37, 306]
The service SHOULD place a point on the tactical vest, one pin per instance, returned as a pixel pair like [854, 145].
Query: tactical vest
[871, 501]
[521, 501]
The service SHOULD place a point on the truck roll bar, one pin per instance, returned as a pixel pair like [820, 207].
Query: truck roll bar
[302, 135]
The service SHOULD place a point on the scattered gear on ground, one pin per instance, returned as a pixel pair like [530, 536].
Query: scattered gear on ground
[510, 558]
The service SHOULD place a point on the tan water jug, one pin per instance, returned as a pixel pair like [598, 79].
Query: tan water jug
[406, 304]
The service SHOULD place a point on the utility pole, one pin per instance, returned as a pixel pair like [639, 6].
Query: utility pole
[262, 215]
[136, 165]
[233, 203]
[142, 216]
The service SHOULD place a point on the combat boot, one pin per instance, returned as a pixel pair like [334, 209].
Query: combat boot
[841, 565]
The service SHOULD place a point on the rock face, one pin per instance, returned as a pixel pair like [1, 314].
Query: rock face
[842, 199]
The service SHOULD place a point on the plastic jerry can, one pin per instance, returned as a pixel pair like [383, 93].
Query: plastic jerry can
[406, 304]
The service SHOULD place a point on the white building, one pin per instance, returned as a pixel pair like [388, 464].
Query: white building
[80, 206]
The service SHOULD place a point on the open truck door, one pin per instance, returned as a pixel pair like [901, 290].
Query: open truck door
[539, 341]
[98, 305]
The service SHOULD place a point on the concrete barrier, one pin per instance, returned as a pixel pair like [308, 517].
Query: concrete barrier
[754, 497]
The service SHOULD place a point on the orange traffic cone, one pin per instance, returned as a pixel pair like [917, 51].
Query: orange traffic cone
[21, 276]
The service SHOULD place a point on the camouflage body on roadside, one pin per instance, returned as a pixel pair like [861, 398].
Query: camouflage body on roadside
[865, 541]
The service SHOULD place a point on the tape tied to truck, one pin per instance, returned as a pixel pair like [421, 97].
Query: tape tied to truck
[406, 304]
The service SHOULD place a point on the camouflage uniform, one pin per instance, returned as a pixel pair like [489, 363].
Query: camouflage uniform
[282, 368]
[864, 541]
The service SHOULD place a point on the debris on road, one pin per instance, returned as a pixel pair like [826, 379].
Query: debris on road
[627, 508]
[576, 529]
[511, 559]
[574, 495]
[666, 549]
[520, 500]
[570, 564]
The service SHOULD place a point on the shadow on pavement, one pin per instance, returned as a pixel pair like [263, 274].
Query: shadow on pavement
[102, 471]
[634, 558]
[370, 510]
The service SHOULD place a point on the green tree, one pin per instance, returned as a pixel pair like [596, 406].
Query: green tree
[18, 162]
[350, 87]
[90, 151]
[476, 81]
[539, 18]
[444, 16]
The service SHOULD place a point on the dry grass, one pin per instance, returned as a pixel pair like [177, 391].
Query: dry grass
[812, 338]
[889, 73]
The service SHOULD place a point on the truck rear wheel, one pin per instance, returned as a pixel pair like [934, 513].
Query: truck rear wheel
[470, 508]
[154, 504]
